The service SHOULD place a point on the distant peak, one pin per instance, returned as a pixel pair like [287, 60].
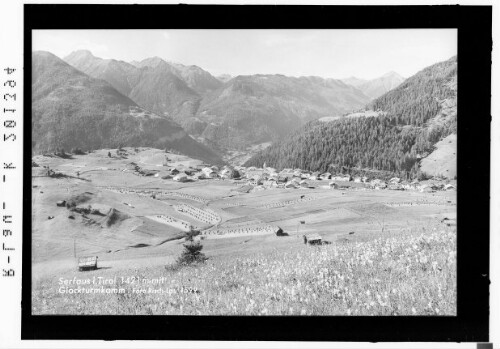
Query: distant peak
[154, 59]
[81, 53]
[392, 74]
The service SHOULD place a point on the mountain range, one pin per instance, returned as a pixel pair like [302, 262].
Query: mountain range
[72, 109]
[167, 89]
[376, 87]
[226, 113]
[90, 102]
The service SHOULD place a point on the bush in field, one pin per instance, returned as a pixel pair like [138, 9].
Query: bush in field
[191, 234]
[191, 254]
[60, 152]
[77, 151]
[70, 205]
[421, 176]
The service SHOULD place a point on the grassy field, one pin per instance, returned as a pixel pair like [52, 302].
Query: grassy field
[387, 252]
[413, 273]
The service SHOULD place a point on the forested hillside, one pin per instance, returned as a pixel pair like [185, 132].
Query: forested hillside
[360, 142]
[419, 97]
[414, 121]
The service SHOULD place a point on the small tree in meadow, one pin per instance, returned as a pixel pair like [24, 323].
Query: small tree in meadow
[191, 234]
[192, 254]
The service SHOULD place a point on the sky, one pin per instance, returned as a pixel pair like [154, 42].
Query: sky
[331, 53]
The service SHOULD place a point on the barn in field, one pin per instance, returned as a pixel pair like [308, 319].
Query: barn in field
[209, 172]
[326, 175]
[244, 189]
[200, 175]
[282, 179]
[312, 239]
[87, 263]
[181, 177]
[333, 185]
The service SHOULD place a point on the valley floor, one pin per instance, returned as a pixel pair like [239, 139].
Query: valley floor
[385, 252]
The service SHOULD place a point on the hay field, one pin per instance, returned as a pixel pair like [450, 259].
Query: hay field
[355, 222]
[414, 274]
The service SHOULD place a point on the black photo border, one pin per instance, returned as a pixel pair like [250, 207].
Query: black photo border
[474, 88]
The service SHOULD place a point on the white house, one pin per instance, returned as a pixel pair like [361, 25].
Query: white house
[181, 177]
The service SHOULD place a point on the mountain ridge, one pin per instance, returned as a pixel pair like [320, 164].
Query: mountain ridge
[378, 86]
[243, 111]
[71, 109]
[266, 106]
[411, 119]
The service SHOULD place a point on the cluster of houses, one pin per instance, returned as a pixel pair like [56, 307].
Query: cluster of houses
[397, 184]
[268, 177]
[180, 174]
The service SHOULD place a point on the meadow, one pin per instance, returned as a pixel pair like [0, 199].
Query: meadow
[409, 273]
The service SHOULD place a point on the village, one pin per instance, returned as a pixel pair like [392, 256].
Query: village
[268, 177]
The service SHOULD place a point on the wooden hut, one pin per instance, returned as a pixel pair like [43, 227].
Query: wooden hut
[87, 263]
[312, 239]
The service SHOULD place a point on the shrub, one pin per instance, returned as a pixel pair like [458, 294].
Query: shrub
[70, 205]
[421, 176]
[77, 151]
[192, 254]
[191, 234]
[60, 152]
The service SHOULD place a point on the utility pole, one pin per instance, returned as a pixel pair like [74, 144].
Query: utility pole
[298, 224]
